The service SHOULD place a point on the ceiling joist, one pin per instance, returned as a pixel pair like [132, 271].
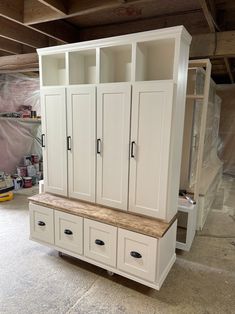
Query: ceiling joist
[56, 5]
[21, 34]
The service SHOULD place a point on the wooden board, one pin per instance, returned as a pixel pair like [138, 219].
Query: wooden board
[148, 226]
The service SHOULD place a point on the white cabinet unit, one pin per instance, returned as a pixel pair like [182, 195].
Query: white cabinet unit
[124, 121]
[81, 114]
[150, 148]
[53, 103]
[113, 130]
[113, 135]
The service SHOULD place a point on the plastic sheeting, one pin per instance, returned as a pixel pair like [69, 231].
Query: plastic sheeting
[18, 137]
[227, 127]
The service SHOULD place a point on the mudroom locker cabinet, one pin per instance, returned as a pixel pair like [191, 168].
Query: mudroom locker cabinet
[112, 124]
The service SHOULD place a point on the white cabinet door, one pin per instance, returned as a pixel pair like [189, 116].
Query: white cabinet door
[81, 106]
[54, 138]
[113, 124]
[150, 147]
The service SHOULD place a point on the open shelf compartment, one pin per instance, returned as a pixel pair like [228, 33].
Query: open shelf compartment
[155, 60]
[82, 67]
[54, 69]
[116, 64]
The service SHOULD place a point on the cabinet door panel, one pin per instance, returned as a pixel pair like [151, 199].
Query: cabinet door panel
[151, 127]
[113, 129]
[55, 152]
[81, 104]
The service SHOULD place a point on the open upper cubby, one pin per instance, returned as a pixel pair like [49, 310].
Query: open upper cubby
[115, 64]
[54, 69]
[82, 67]
[155, 60]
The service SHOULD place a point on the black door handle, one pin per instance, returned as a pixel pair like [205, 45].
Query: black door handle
[135, 254]
[98, 146]
[132, 149]
[68, 142]
[42, 140]
[67, 231]
[41, 223]
[99, 242]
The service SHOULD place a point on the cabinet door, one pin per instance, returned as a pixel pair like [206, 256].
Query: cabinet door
[113, 124]
[81, 105]
[55, 152]
[150, 147]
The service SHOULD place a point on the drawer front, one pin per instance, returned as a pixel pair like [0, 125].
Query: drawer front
[69, 232]
[100, 241]
[137, 254]
[41, 223]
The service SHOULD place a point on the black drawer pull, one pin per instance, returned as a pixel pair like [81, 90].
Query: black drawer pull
[41, 223]
[67, 231]
[135, 254]
[99, 242]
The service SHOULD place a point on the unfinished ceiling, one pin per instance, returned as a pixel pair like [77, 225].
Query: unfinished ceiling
[29, 24]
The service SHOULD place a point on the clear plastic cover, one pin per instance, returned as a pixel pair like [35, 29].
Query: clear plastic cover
[227, 127]
[18, 137]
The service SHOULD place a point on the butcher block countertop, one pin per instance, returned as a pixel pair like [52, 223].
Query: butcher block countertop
[148, 226]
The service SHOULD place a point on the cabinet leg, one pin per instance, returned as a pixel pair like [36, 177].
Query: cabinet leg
[60, 254]
[110, 273]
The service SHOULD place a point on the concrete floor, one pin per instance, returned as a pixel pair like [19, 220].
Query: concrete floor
[33, 279]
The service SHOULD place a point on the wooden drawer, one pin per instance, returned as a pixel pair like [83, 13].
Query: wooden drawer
[69, 232]
[137, 254]
[100, 241]
[41, 223]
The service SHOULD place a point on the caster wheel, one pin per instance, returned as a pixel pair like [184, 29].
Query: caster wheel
[110, 273]
[60, 254]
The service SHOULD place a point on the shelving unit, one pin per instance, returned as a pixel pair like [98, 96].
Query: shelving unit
[82, 67]
[116, 64]
[201, 168]
[26, 120]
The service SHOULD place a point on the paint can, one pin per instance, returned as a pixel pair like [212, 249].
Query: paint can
[22, 171]
[31, 171]
[34, 159]
[27, 182]
[27, 160]
[36, 166]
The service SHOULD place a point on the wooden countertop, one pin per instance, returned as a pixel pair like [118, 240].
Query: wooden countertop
[148, 226]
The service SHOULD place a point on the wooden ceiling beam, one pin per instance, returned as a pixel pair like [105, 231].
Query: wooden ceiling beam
[59, 30]
[22, 34]
[10, 46]
[19, 63]
[211, 46]
[4, 53]
[13, 9]
[56, 5]
[34, 10]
